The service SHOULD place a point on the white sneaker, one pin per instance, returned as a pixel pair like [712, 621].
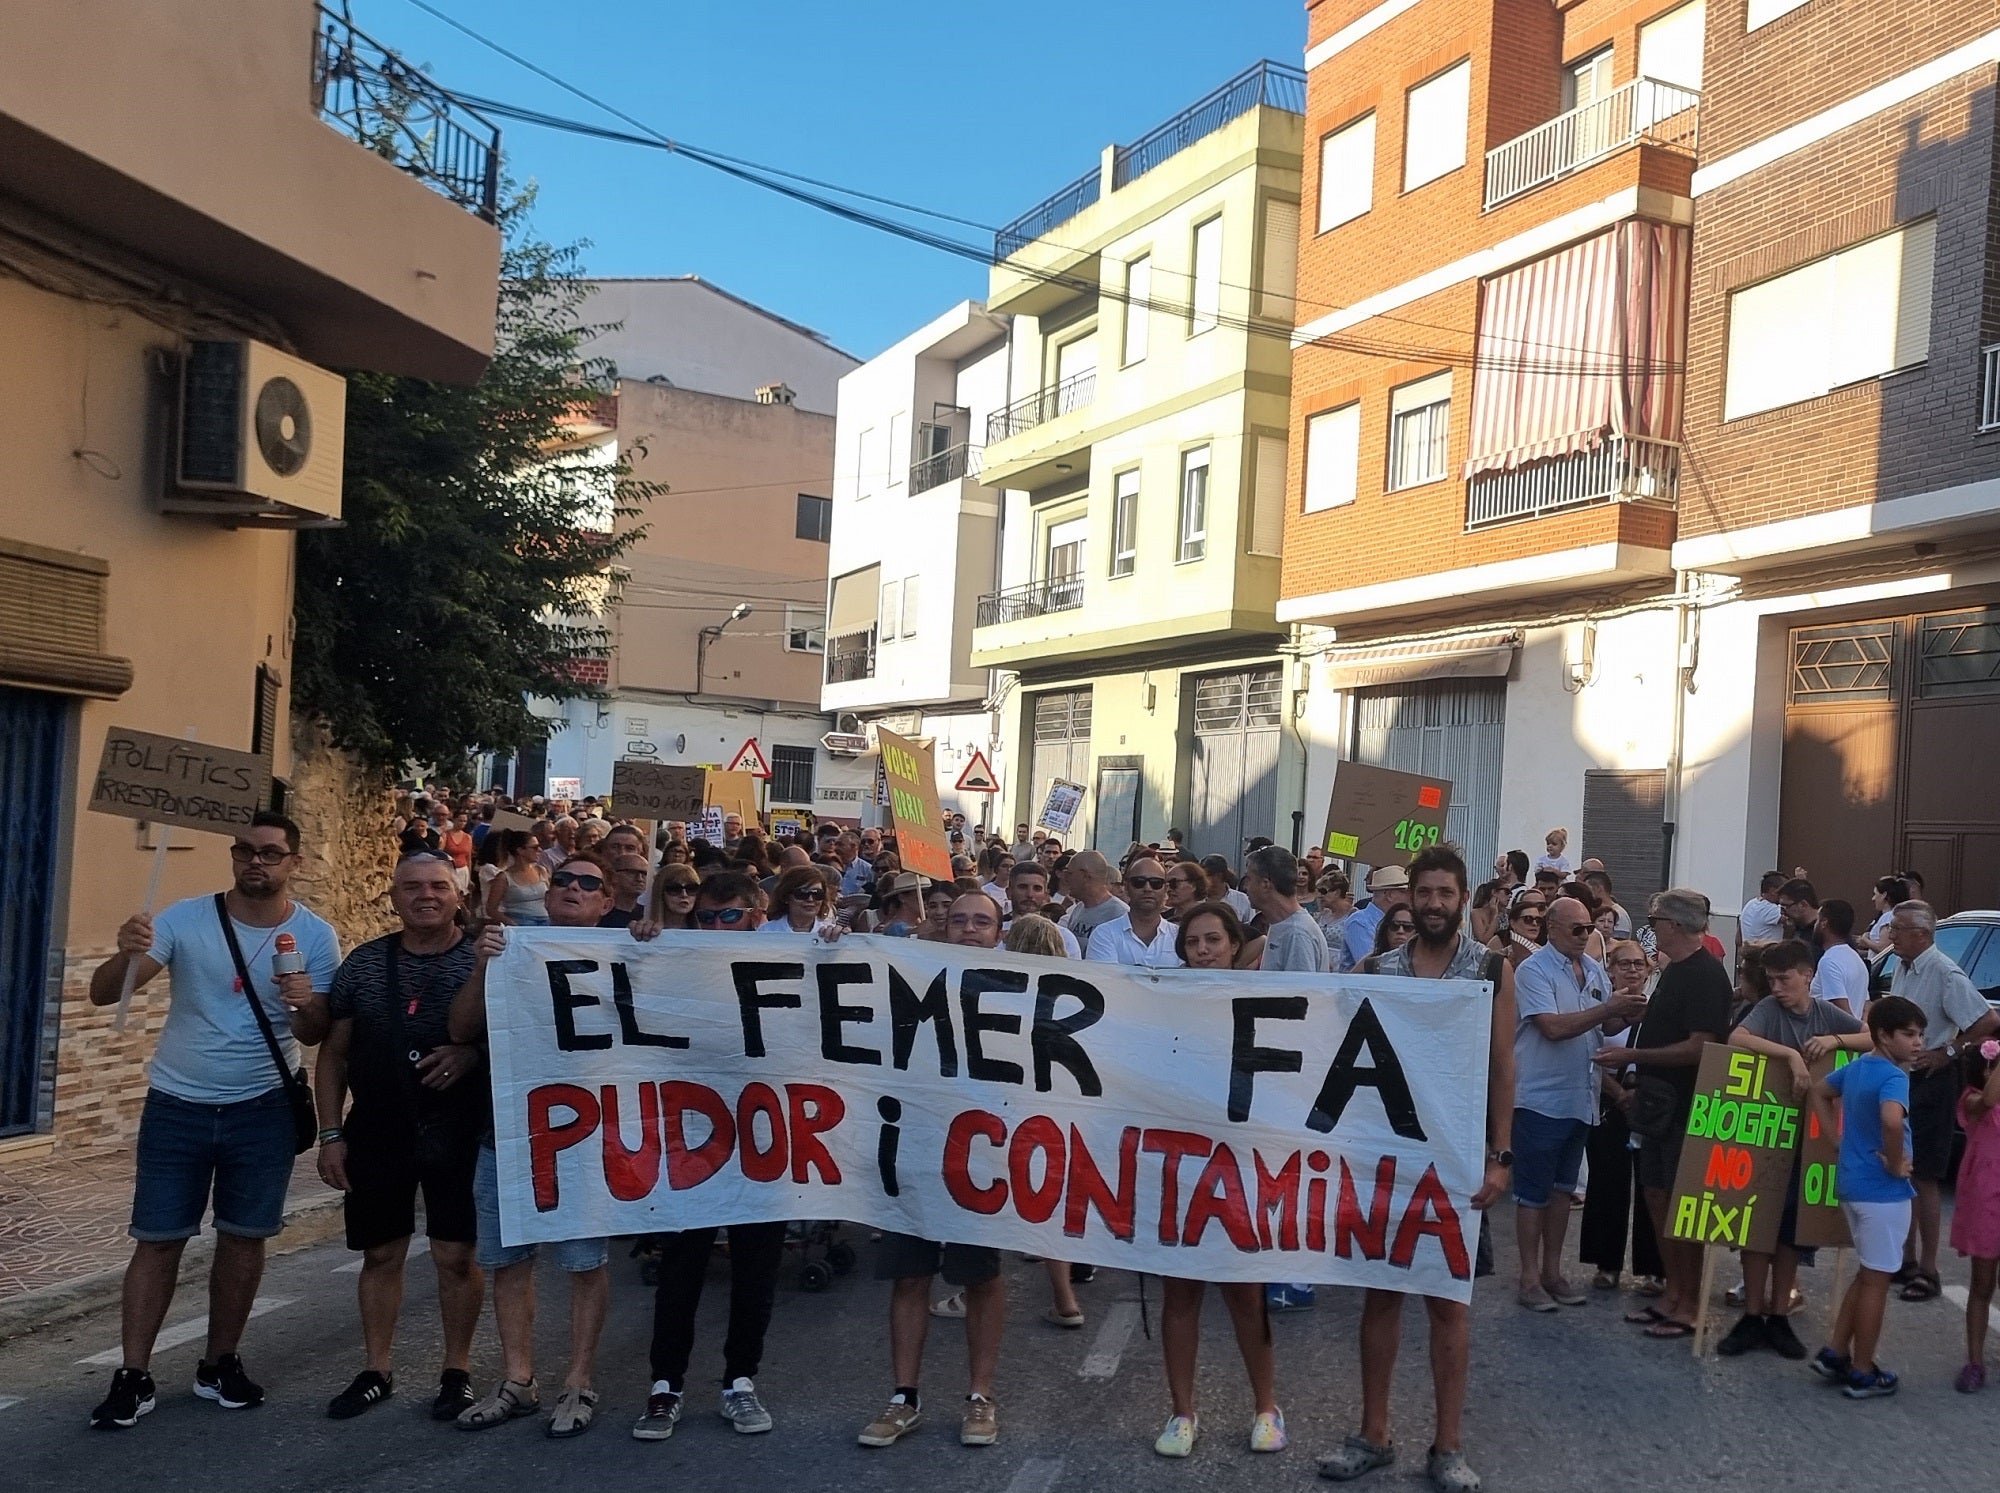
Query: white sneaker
[743, 1410]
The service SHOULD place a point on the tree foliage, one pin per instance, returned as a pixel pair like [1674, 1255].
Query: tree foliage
[479, 537]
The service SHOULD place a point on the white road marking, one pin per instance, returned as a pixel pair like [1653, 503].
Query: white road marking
[1102, 1360]
[1036, 1475]
[8, 1402]
[353, 1266]
[187, 1332]
[1956, 1296]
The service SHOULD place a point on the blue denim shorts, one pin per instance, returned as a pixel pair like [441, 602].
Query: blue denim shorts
[1548, 1156]
[242, 1152]
[573, 1255]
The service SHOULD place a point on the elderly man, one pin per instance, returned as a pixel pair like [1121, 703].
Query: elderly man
[1689, 1010]
[1086, 881]
[629, 870]
[1292, 940]
[1565, 1008]
[1388, 891]
[857, 869]
[1141, 935]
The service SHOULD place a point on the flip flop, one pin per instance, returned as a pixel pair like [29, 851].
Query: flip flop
[1645, 1316]
[1668, 1329]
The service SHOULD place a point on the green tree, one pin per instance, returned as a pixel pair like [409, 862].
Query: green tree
[479, 537]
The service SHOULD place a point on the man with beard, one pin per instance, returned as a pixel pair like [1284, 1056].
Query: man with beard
[1028, 892]
[1441, 950]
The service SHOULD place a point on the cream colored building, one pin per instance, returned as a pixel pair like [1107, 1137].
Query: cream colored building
[1143, 458]
[177, 175]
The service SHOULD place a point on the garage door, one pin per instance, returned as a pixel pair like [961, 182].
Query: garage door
[1233, 784]
[1446, 728]
[1061, 749]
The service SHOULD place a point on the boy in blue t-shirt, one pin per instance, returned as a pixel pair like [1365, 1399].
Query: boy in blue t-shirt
[1874, 1183]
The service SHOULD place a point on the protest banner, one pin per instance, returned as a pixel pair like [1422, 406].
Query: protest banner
[507, 819]
[1380, 817]
[914, 810]
[1059, 809]
[656, 791]
[1821, 1224]
[168, 780]
[732, 793]
[1736, 1165]
[1322, 1128]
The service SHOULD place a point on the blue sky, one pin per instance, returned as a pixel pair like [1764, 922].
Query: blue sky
[975, 109]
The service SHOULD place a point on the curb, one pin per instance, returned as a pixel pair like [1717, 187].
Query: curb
[307, 1222]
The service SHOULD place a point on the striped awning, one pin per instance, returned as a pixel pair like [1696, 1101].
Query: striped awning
[1486, 655]
[1585, 343]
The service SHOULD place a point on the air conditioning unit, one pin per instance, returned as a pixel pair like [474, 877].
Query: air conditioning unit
[847, 723]
[260, 436]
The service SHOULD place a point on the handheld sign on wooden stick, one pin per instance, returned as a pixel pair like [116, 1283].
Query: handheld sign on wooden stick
[913, 806]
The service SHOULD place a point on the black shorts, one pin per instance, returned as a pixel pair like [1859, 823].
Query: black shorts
[1659, 1160]
[1933, 1122]
[386, 1169]
[901, 1256]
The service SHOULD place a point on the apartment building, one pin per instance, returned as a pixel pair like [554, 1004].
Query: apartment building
[912, 550]
[1638, 374]
[718, 613]
[132, 594]
[1142, 454]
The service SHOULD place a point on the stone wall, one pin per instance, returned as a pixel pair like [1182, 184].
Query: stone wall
[346, 840]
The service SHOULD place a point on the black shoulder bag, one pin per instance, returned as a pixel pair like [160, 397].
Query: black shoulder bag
[1655, 1112]
[305, 1117]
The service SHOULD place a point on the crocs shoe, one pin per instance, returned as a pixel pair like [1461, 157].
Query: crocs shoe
[1451, 1473]
[1177, 1440]
[1357, 1455]
[1267, 1432]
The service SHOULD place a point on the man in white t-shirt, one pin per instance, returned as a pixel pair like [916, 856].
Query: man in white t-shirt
[1762, 920]
[1841, 977]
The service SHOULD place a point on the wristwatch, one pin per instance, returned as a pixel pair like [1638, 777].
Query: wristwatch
[1501, 1158]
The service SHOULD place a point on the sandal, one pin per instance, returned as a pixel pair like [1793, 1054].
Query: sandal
[1904, 1275]
[510, 1401]
[949, 1306]
[1667, 1329]
[575, 1410]
[1650, 1285]
[1923, 1286]
[1059, 1318]
[1645, 1316]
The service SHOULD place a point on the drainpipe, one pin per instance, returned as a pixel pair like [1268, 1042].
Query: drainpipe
[1297, 703]
[1687, 657]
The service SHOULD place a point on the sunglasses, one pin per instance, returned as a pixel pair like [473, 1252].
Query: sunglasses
[1146, 883]
[1628, 964]
[1399, 926]
[809, 894]
[577, 879]
[728, 917]
[271, 855]
[680, 889]
[1527, 917]
[1577, 930]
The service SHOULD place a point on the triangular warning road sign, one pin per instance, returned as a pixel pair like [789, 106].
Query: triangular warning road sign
[750, 758]
[978, 776]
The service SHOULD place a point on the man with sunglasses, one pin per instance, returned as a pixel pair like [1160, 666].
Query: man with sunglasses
[1140, 935]
[218, 1113]
[628, 889]
[726, 903]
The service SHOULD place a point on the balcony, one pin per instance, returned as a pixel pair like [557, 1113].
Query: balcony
[1051, 212]
[1989, 390]
[1036, 599]
[1624, 469]
[850, 656]
[1644, 111]
[372, 96]
[1265, 83]
[1071, 394]
[946, 466]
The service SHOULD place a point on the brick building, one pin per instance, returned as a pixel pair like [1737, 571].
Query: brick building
[1643, 441]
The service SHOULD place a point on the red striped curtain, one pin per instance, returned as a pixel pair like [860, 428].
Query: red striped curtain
[1585, 343]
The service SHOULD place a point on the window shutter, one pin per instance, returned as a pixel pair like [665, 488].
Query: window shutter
[1267, 513]
[891, 611]
[1333, 457]
[1138, 307]
[1206, 302]
[1917, 279]
[52, 622]
[910, 607]
[1347, 173]
[1278, 288]
[1623, 812]
[1670, 46]
[1435, 127]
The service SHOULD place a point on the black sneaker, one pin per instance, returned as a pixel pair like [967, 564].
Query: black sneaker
[131, 1396]
[368, 1389]
[454, 1395]
[1781, 1340]
[1082, 1275]
[1748, 1333]
[225, 1383]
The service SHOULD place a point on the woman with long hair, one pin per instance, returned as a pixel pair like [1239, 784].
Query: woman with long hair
[1211, 938]
[517, 895]
[1187, 888]
[1614, 1208]
[799, 901]
[1396, 929]
[671, 904]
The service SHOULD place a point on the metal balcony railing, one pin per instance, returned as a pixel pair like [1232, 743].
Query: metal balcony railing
[850, 656]
[1063, 593]
[1643, 110]
[946, 466]
[1274, 83]
[371, 95]
[1624, 469]
[1989, 389]
[1038, 409]
[1050, 212]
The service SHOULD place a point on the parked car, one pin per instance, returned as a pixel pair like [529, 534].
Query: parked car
[1971, 940]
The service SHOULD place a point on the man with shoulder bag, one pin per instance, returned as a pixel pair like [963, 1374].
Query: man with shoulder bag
[227, 1107]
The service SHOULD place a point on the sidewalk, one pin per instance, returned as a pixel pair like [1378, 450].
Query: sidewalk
[63, 1244]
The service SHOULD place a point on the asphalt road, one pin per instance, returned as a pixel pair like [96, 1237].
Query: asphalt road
[1575, 1401]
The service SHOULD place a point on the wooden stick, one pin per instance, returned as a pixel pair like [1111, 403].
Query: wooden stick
[1701, 1313]
[164, 832]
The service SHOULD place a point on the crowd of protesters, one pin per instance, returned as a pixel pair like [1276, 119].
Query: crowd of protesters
[1598, 1023]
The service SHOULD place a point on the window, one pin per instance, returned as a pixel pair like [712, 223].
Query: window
[1670, 45]
[892, 612]
[1205, 306]
[1434, 126]
[1959, 654]
[899, 449]
[1419, 431]
[1125, 522]
[868, 461]
[1062, 563]
[1333, 457]
[1347, 173]
[815, 518]
[1074, 359]
[1138, 308]
[1278, 273]
[1850, 662]
[1194, 505]
[1762, 12]
[910, 607]
[1855, 315]
[805, 630]
[1267, 508]
[1585, 82]
[792, 775]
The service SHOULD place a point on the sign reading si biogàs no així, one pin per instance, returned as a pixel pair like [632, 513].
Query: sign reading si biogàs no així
[1736, 1164]
[1268, 1127]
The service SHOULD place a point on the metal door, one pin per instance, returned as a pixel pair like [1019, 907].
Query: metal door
[1447, 728]
[1233, 781]
[33, 749]
[1061, 737]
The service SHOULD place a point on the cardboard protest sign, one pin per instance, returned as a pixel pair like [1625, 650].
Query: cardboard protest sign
[1821, 1224]
[506, 819]
[1324, 1128]
[914, 810]
[1059, 809]
[165, 780]
[570, 789]
[1736, 1166]
[1381, 817]
[707, 825]
[732, 793]
[657, 791]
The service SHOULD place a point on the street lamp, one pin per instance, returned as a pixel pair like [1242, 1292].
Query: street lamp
[708, 635]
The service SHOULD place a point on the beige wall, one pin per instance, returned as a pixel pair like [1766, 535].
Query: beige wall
[725, 532]
[185, 130]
